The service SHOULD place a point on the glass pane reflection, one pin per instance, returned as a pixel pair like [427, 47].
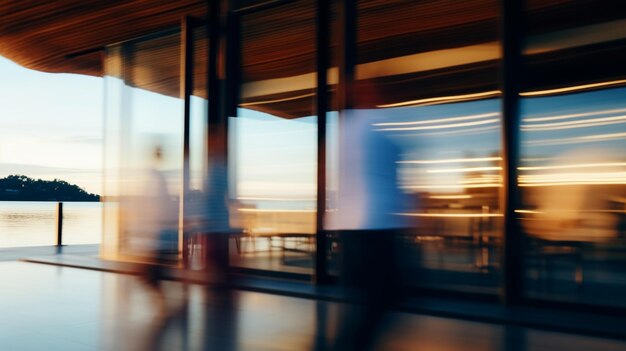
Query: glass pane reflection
[428, 80]
[573, 166]
[144, 146]
[572, 178]
[273, 146]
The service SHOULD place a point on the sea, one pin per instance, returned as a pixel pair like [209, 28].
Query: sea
[34, 223]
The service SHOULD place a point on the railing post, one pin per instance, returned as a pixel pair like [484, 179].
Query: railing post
[59, 225]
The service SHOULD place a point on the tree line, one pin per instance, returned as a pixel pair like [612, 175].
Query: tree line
[23, 188]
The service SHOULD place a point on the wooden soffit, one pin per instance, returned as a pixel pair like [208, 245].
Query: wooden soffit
[413, 49]
[45, 35]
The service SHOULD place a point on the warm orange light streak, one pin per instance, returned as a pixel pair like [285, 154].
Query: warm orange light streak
[537, 159]
[261, 210]
[468, 131]
[574, 180]
[592, 122]
[463, 170]
[461, 215]
[572, 211]
[450, 197]
[480, 180]
[252, 198]
[453, 125]
[430, 121]
[574, 115]
[574, 183]
[577, 140]
[527, 211]
[277, 100]
[453, 160]
[443, 99]
[573, 88]
[494, 93]
[454, 186]
[582, 165]
[591, 176]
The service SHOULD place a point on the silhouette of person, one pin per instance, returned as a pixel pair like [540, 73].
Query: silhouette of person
[160, 221]
[214, 234]
[368, 223]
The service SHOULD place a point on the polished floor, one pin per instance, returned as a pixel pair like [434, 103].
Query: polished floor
[46, 307]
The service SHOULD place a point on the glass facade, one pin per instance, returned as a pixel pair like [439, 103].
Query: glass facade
[143, 144]
[435, 95]
[417, 97]
[274, 140]
[573, 165]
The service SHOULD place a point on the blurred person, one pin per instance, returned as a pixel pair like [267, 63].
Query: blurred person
[212, 231]
[158, 333]
[208, 220]
[369, 224]
[159, 221]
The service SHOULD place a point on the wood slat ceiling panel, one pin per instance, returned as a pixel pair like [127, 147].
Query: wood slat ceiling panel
[280, 42]
[40, 34]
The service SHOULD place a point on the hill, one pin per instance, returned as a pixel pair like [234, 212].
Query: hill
[23, 188]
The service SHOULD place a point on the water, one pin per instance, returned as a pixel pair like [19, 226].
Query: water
[25, 223]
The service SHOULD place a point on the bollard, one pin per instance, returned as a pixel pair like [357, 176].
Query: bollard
[59, 225]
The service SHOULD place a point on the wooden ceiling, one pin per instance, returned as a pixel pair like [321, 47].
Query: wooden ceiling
[279, 43]
[44, 34]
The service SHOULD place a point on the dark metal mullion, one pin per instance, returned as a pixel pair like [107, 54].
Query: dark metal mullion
[347, 57]
[511, 28]
[186, 89]
[216, 136]
[322, 45]
[232, 65]
[347, 54]
[213, 83]
[227, 71]
[213, 91]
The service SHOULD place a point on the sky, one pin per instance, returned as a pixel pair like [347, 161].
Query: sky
[51, 125]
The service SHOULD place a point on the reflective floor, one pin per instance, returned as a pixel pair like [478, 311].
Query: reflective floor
[46, 307]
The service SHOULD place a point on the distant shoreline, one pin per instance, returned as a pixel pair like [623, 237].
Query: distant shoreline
[23, 188]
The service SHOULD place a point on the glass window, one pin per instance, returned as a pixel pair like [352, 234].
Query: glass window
[426, 83]
[273, 146]
[573, 165]
[143, 139]
[196, 216]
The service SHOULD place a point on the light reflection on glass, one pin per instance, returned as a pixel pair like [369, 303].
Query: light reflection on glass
[572, 173]
[273, 142]
[143, 115]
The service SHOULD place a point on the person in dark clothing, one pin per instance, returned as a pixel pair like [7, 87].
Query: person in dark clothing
[369, 220]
